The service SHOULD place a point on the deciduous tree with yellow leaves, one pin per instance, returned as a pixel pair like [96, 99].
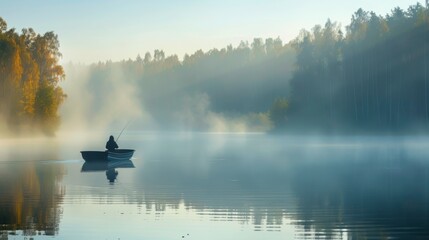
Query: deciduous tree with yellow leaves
[29, 76]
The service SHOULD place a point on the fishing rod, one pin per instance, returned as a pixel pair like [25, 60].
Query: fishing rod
[117, 139]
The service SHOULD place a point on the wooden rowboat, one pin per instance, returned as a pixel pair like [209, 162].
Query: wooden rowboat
[118, 154]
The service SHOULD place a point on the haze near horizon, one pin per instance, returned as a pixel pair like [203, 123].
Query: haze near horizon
[93, 31]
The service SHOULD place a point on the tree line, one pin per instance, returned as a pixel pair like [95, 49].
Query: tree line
[232, 84]
[372, 78]
[368, 77]
[29, 77]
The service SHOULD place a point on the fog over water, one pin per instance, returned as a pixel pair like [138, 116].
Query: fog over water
[248, 185]
[225, 90]
[91, 107]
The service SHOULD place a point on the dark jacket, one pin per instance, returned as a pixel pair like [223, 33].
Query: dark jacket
[111, 145]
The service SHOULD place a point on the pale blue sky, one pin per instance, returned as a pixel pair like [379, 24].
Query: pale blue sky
[93, 30]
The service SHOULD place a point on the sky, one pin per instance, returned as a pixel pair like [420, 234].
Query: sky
[99, 30]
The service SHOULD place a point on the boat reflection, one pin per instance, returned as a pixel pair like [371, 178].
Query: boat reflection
[108, 166]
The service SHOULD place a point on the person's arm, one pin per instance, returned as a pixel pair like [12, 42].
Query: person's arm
[116, 145]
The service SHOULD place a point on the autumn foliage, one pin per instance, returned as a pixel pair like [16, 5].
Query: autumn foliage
[29, 77]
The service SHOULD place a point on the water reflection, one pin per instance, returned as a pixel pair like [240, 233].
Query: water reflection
[369, 189]
[381, 194]
[332, 189]
[108, 166]
[31, 195]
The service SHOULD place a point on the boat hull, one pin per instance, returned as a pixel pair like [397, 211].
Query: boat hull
[120, 154]
[117, 155]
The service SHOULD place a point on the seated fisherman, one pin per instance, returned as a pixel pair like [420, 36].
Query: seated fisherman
[111, 145]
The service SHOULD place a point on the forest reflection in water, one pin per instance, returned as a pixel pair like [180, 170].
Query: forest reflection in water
[31, 192]
[348, 188]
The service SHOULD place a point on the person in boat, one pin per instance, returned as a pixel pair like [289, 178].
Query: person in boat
[111, 145]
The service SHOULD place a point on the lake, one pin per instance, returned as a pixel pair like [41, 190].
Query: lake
[217, 186]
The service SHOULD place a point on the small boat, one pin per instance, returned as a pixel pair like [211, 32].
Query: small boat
[118, 154]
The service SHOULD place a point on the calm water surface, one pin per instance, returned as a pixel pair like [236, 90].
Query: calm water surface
[217, 186]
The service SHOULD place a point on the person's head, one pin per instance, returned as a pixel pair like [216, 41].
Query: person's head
[111, 138]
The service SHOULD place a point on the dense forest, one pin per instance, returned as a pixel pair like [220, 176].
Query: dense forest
[372, 78]
[228, 89]
[29, 74]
